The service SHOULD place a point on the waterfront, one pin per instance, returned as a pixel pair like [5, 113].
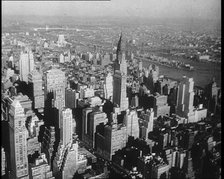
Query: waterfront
[203, 71]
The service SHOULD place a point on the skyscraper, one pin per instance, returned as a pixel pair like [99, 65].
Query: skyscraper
[18, 144]
[120, 91]
[36, 91]
[70, 98]
[132, 123]
[120, 61]
[108, 86]
[146, 123]
[92, 117]
[33, 127]
[66, 127]
[3, 162]
[185, 98]
[55, 82]
[26, 65]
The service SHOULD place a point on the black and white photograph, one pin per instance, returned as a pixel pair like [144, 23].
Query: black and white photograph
[111, 89]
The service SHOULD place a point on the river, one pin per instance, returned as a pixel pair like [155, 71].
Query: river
[202, 74]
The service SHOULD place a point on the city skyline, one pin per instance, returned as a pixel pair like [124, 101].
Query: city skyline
[122, 89]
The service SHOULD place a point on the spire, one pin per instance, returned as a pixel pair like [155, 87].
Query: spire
[120, 45]
[119, 42]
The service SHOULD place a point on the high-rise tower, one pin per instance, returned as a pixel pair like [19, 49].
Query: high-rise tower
[36, 91]
[120, 77]
[26, 65]
[54, 92]
[120, 61]
[66, 127]
[109, 86]
[18, 141]
[120, 91]
[185, 98]
[55, 82]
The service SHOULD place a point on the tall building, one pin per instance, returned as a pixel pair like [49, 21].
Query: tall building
[132, 123]
[54, 89]
[120, 63]
[70, 98]
[85, 116]
[25, 102]
[114, 139]
[3, 159]
[161, 107]
[26, 65]
[111, 137]
[185, 99]
[146, 123]
[61, 40]
[47, 144]
[211, 92]
[92, 120]
[18, 141]
[33, 127]
[70, 164]
[36, 89]
[120, 91]
[109, 86]
[66, 127]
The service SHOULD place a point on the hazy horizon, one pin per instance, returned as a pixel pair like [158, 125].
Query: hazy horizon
[152, 9]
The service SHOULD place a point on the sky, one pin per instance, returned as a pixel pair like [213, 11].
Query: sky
[202, 9]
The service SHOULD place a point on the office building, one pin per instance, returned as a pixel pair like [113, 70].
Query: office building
[200, 113]
[47, 143]
[161, 107]
[40, 168]
[70, 98]
[108, 89]
[146, 123]
[85, 118]
[55, 82]
[160, 170]
[111, 138]
[33, 127]
[25, 102]
[211, 92]
[66, 127]
[36, 89]
[120, 91]
[26, 65]
[86, 92]
[61, 40]
[185, 99]
[115, 139]
[95, 118]
[70, 164]
[132, 123]
[105, 59]
[18, 137]
[3, 162]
